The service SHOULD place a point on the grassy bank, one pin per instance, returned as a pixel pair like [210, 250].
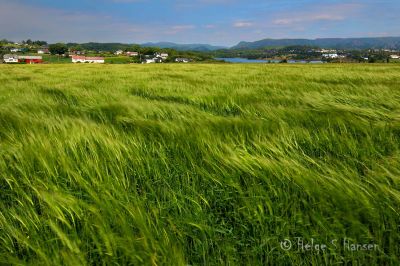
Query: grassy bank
[198, 164]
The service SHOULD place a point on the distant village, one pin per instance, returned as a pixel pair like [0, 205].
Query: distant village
[77, 57]
[40, 52]
[32, 53]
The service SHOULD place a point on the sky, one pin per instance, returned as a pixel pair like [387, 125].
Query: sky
[217, 22]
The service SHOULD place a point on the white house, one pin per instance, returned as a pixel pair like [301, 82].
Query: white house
[95, 60]
[149, 61]
[10, 58]
[43, 51]
[84, 59]
[327, 51]
[119, 52]
[330, 55]
[162, 55]
[15, 50]
[394, 56]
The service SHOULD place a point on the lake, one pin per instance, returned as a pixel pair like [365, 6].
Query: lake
[256, 61]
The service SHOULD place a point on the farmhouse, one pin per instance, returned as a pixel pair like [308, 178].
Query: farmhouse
[156, 58]
[28, 59]
[43, 51]
[10, 58]
[84, 59]
[394, 56]
[119, 52]
[162, 55]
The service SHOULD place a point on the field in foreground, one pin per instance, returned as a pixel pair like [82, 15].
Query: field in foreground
[199, 164]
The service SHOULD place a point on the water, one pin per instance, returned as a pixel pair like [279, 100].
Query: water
[256, 61]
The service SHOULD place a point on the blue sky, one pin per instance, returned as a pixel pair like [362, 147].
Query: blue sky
[218, 22]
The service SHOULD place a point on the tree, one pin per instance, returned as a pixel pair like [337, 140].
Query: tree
[135, 48]
[371, 59]
[77, 48]
[150, 50]
[4, 41]
[1, 55]
[58, 49]
[39, 43]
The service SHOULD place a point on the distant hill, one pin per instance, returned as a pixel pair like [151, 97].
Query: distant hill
[184, 47]
[121, 46]
[334, 43]
[109, 47]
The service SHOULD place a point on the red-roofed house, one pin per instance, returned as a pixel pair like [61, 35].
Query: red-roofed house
[84, 59]
[78, 59]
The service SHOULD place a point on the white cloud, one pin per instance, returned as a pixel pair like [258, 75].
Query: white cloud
[183, 27]
[318, 13]
[56, 25]
[242, 24]
[310, 18]
[179, 28]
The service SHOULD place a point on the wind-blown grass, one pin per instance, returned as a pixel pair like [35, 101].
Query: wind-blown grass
[198, 164]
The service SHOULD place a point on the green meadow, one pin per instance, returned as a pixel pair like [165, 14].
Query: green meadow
[199, 164]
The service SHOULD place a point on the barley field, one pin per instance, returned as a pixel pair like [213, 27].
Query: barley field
[199, 164]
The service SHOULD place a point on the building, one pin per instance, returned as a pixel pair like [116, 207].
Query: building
[78, 59]
[156, 58]
[10, 58]
[15, 50]
[330, 55]
[119, 52]
[148, 61]
[164, 56]
[182, 60]
[84, 59]
[72, 53]
[28, 59]
[132, 53]
[327, 51]
[393, 56]
[95, 60]
[43, 51]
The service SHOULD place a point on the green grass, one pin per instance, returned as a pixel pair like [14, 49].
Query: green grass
[198, 164]
[56, 59]
[118, 60]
